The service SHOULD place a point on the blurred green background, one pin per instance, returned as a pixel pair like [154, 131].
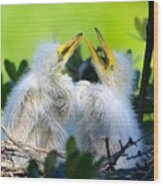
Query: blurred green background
[123, 25]
[25, 26]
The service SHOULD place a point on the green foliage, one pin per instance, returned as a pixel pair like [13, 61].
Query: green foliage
[148, 121]
[79, 166]
[149, 99]
[74, 63]
[141, 27]
[11, 70]
[14, 76]
[5, 89]
[71, 147]
[76, 165]
[136, 80]
[23, 67]
[147, 126]
[33, 169]
[49, 164]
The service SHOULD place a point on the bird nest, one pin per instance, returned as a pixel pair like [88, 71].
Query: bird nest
[12, 151]
[15, 156]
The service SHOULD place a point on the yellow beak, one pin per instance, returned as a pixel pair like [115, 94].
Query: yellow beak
[66, 50]
[108, 62]
[96, 59]
[107, 51]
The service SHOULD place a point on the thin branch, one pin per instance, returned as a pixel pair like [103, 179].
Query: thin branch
[8, 136]
[115, 157]
[140, 154]
[107, 148]
[147, 59]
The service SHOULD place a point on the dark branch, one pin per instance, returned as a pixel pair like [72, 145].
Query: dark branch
[112, 159]
[147, 59]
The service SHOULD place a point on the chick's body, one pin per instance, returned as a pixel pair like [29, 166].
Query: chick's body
[107, 113]
[41, 102]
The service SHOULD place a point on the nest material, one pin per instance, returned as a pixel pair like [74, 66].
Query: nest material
[15, 158]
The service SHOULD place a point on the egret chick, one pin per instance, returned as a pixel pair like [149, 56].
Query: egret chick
[42, 100]
[107, 111]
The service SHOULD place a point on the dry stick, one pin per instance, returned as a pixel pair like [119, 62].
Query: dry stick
[21, 148]
[147, 59]
[21, 145]
[139, 172]
[123, 149]
[108, 152]
[140, 154]
[8, 136]
[107, 148]
[118, 154]
[11, 149]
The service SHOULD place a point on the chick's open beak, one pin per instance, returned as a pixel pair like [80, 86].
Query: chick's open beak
[66, 50]
[107, 51]
[96, 59]
[101, 64]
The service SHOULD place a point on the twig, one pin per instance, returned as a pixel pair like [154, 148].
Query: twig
[115, 157]
[15, 156]
[23, 146]
[108, 153]
[107, 148]
[140, 154]
[8, 136]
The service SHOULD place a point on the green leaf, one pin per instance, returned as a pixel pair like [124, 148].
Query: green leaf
[141, 27]
[144, 28]
[71, 146]
[146, 127]
[137, 23]
[80, 166]
[5, 90]
[149, 106]
[72, 158]
[49, 164]
[23, 67]
[70, 166]
[76, 59]
[150, 91]
[85, 168]
[73, 64]
[33, 169]
[136, 80]
[11, 70]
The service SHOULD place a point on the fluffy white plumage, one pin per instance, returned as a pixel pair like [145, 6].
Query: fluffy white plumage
[41, 102]
[106, 111]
